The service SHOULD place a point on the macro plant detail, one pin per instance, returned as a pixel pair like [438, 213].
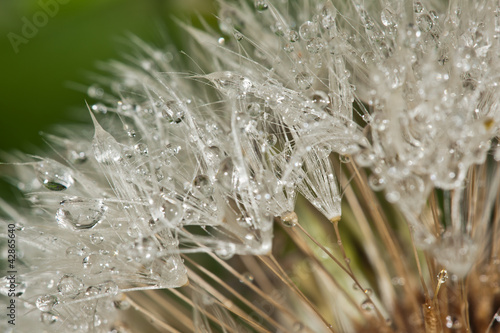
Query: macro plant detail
[308, 166]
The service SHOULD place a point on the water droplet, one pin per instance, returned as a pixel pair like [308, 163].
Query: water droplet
[92, 291]
[392, 196]
[238, 35]
[442, 276]
[70, 286]
[377, 183]
[225, 251]
[271, 140]
[226, 173]
[304, 80]
[315, 45]
[308, 30]
[247, 277]
[46, 303]
[254, 110]
[141, 148]
[106, 149]
[172, 210]
[212, 155]
[80, 213]
[174, 111]
[293, 36]
[203, 185]
[96, 238]
[367, 305]
[53, 175]
[298, 326]
[418, 7]
[289, 219]
[48, 318]
[77, 156]
[388, 18]
[260, 5]
[108, 288]
[368, 291]
[424, 22]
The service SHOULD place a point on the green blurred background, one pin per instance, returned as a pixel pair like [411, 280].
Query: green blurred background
[37, 82]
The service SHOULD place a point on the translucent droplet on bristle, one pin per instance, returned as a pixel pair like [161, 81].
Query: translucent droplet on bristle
[314, 45]
[442, 276]
[213, 155]
[289, 219]
[203, 185]
[367, 305]
[79, 213]
[308, 30]
[106, 149]
[260, 5]
[53, 175]
[96, 238]
[92, 291]
[392, 196]
[293, 36]
[70, 286]
[141, 148]
[172, 210]
[377, 183]
[77, 156]
[48, 318]
[304, 80]
[388, 18]
[271, 140]
[254, 110]
[46, 303]
[298, 326]
[174, 111]
[225, 174]
[225, 251]
[108, 288]
[418, 7]
[424, 22]
[247, 277]
[238, 35]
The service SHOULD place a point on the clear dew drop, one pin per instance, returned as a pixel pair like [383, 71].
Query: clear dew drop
[424, 22]
[172, 210]
[298, 326]
[289, 219]
[225, 173]
[70, 286]
[304, 80]
[106, 149]
[108, 288]
[80, 214]
[48, 318]
[174, 111]
[442, 276]
[225, 251]
[53, 175]
[367, 305]
[238, 35]
[308, 30]
[46, 303]
[260, 5]
[77, 156]
[96, 238]
[248, 277]
[418, 7]
[203, 185]
[141, 148]
[388, 18]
